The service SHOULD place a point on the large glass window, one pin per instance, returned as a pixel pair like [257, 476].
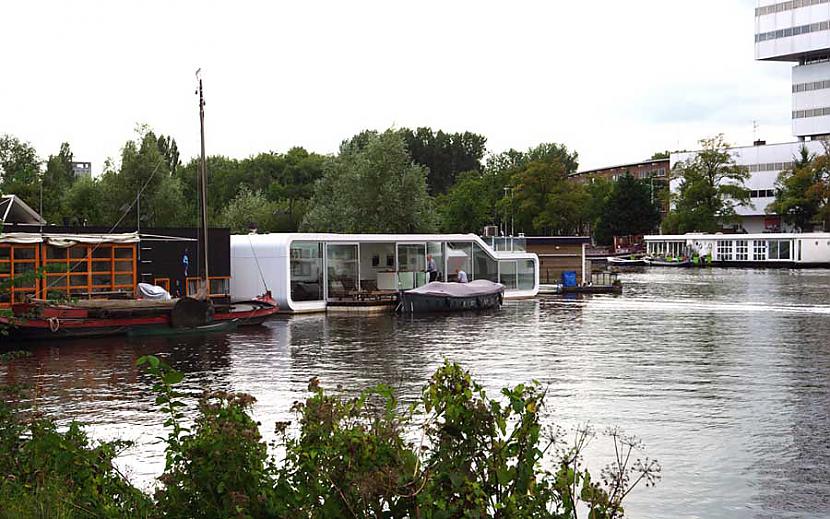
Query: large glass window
[507, 274]
[306, 271]
[377, 267]
[459, 257]
[485, 267]
[779, 249]
[436, 250]
[411, 265]
[343, 271]
[527, 274]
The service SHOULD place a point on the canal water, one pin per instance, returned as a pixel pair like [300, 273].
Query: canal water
[723, 374]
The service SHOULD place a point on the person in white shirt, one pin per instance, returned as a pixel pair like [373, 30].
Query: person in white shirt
[432, 268]
[460, 276]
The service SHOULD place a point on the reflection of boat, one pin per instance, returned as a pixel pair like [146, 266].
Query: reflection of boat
[436, 296]
[167, 331]
[625, 261]
[663, 262]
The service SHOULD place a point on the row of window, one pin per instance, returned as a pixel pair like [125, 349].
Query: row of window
[762, 250]
[813, 112]
[762, 193]
[770, 166]
[809, 87]
[787, 6]
[793, 31]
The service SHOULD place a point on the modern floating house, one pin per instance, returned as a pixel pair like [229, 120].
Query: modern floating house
[305, 272]
[747, 250]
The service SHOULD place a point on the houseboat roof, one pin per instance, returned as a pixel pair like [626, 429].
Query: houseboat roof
[66, 240]
[718, 236]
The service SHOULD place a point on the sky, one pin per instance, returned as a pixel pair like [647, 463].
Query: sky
[615, 81]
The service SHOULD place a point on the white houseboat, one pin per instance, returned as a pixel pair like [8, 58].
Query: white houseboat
[768, 249]
[307, 271]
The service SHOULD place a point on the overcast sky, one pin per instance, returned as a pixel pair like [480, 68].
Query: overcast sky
[613, 80]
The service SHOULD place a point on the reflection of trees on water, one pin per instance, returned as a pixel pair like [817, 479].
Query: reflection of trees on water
[96, 380]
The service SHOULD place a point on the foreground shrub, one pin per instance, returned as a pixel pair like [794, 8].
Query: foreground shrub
[50, 473]
[454, 453]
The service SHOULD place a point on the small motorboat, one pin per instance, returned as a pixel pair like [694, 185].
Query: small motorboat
[436, 296]
[665, 262]
[625, 261]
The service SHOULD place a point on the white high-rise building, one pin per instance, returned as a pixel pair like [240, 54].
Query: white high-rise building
[799, 31]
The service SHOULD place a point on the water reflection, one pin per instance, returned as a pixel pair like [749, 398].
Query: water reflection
[724, 374]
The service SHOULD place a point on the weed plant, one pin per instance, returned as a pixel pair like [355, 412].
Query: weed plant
[473, 457]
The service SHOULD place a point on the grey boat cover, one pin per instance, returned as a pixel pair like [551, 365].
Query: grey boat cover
[479, 287]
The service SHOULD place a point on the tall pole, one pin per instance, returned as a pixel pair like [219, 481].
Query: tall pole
[203, 191]
[512, 229]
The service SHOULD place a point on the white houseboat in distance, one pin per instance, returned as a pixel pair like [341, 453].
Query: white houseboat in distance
[747, 250]
[306, 272]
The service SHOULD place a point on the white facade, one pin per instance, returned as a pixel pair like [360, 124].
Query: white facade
[774, 249]
[764, 162]
[305, 271]
[799, 31]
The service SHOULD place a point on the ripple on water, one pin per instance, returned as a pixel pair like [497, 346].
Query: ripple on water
[723, 374]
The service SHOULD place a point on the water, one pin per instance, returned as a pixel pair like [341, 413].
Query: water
[724, 374]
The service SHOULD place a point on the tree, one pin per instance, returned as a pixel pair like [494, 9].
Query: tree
[546, 203]
[630, 209]
[82, 203]
[373, 188]
[599, 191]
[661, 155]
[446, 155]
[711, 187]
[801, 193]
[465, 208]
[19, 170]
[56, 180]
[249, 209]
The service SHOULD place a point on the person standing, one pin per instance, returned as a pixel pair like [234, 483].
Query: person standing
[432, 268]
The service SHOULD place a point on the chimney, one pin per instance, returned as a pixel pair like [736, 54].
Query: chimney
[759, 142]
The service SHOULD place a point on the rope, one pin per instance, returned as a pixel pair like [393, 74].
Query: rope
[256, 259]
[54, 324]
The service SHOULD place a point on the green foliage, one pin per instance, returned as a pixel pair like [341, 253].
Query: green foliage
[466, 206]
[372, 186]
[803, 192]
[19, 169]
[49, 472]
[711, 187]
[445, 155]
[546, 202]
[469, 456]
[249, 209]
[631, 208]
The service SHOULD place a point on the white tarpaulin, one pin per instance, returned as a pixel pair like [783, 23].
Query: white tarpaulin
[67, 240]
[479, 287]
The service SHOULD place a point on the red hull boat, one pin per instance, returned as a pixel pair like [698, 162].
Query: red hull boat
[48, 320]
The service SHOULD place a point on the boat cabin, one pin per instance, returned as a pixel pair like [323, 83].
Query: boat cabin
[307, 271]
[767, 249]
[84, 264]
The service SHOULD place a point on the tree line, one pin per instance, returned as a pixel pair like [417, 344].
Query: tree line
[398, 180]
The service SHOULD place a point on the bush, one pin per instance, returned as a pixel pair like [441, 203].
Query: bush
[350, 457]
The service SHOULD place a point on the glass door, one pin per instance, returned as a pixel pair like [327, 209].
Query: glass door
[343, 270]
[412, 265]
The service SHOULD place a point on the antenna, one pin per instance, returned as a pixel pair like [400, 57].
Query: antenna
[754, 131]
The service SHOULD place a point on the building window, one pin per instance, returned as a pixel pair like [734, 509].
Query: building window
[759, 250]
[741, 250]
[219, 286]
[725, 250]
[779, 249]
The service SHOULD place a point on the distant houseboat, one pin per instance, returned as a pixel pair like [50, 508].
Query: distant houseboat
[306, 272]
[746, 250]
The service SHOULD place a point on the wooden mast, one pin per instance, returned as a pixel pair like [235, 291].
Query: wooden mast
[205, 289]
